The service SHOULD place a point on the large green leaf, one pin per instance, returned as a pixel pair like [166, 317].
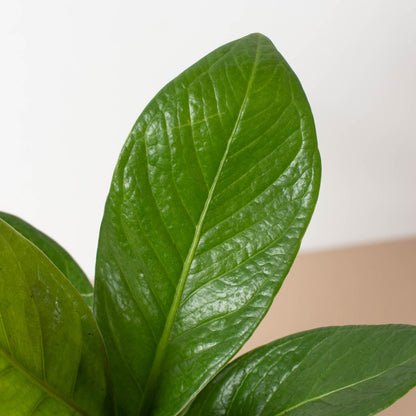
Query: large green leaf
[57, 254]
[342, 371]
[52, 357]
[208, 204]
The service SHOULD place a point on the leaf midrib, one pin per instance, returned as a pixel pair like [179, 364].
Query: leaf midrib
[45, 387]
[364, 380]
[162, 345]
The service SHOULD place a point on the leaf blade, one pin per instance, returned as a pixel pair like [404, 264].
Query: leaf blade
[168, 221]
[56, 253]
[51, 353]
[353, 370]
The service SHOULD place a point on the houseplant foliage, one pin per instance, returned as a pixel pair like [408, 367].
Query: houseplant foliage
[209, 201]
[57, 254]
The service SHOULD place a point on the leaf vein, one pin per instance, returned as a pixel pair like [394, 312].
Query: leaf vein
[252, 257]
[160, 351]
[201, 252]
[349, 386]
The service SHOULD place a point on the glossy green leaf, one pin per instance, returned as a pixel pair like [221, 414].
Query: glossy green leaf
[57, 254]
[52, 357]
[342, 371]
[209, 201]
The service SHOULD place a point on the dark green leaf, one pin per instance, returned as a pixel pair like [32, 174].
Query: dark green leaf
[57, 254]
[342, 371]
[52, 357]
[209, 201]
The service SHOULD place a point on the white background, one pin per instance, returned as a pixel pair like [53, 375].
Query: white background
[74, 76]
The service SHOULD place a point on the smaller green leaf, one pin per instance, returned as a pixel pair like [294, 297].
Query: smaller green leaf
[343, 371]
[57, 254]
[53, 360]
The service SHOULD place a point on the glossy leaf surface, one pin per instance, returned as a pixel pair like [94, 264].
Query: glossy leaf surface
[342, 371]
[52, 357]
[57, 254]
[208, 204]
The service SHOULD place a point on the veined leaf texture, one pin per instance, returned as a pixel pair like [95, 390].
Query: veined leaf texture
[209, 201]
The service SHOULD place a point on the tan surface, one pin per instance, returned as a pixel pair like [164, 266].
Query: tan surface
[371, 284]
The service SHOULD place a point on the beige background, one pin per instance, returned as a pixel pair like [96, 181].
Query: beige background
[371, 284]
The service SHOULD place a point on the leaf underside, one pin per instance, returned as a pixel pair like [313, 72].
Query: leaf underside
[52, 357]
[57, 254]
[209, 201]
[343, 371]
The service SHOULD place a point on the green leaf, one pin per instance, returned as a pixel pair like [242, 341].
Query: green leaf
[52, 357]
[209, 201]
[57, 254]
[343, 371]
